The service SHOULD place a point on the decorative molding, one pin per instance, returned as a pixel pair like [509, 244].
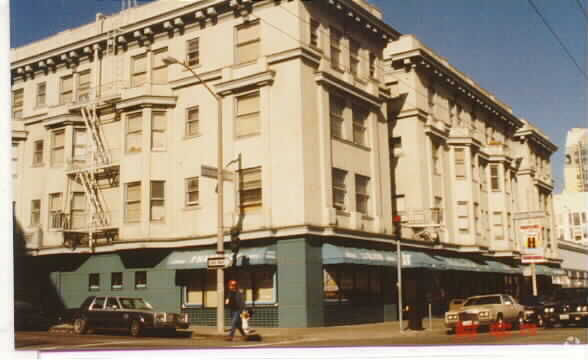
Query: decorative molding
[265, 78]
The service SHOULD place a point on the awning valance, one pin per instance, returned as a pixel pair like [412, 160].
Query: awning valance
[333, 254]
[197, 259]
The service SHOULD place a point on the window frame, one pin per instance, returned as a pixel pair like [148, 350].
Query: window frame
[354, 57]
[83, 89]
[336, 39]
[55, 213]
[460, 163]
[192, 123]
[188, 191]
[253, 115]
[240, 45]
[35, 213]
[116, 283]
[41, 95]
[157, 68]
[140, 283]
[193, 54]
[81, 212]
[94, 282]
[161, 131]
[142, 75]
[337, 119]
[153, 200]
[340, 188]
[55, 148]
[360, 119]
[362, 195]
[463, 216]
[38, 152]
[17, 103]
[66, 95]
[495, 178]
[130, 202]
[135, 132]
[498, 226]
[251, 186]
[79, 145]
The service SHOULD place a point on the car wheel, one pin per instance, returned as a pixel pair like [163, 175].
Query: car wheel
[80, 326]
[135, 328]
[540, 321]
[499, 322]
[519, 322]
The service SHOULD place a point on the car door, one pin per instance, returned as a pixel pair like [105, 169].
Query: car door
[510, 310]
[95, 312]
[113, 314]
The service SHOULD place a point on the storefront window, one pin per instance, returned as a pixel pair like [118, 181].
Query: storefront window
[264, 286]
[210, 289]
[331, 288]
[349, 283]
[194, 289]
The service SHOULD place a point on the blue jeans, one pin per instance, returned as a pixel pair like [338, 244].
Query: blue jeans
[236, 323]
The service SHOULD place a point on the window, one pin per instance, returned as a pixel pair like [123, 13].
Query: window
[94, 285]
[80, 144]
[134, 132]
[138, 70]
[494, 178]
[250, 188]
[336, 48]
[460, 163]
[337, 106]
[498, 226]
[362, 194]
[438, 203]
[193, 52]
[112, 303]
[66, 94]
[41, 94]
[17, 103]
[35, 212]
[38, 152]
[55, 213]
[57, 147]
[140, 279]
[360, 117]
[133, 202]
[248, 116]
[192, 194]
[463, 223]
[483, 178]
[354, 57]
[339, 189]
[193, 293]
[314, 33]
[78, 210]
[248, 43]
[373, 64]
[158, 130]
[159, 72]
[192, 121]
[157, 210]
[116, 280]
[84, 84]
[477, 218]
[436, 153]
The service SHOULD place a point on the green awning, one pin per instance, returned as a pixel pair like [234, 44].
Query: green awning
[419, 259]
[197, 259]
[542, 269]
[499, 267]
[334, 254]
[461, 263]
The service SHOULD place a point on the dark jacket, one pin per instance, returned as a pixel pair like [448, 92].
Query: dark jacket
[236, 300]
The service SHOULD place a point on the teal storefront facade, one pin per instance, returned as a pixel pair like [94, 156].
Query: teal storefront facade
[289, 282]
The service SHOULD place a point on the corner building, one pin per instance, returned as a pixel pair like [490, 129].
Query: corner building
[113, 150]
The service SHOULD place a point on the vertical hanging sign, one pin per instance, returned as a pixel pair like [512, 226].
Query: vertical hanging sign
[532, 249]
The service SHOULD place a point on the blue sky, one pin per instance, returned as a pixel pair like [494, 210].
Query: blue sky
[502, 44]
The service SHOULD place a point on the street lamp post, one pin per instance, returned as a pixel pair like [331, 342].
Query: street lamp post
[220, 275]
[398, 232]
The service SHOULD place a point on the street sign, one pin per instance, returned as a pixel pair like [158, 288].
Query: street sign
[212, 172]
[216, 262]
[532, 250]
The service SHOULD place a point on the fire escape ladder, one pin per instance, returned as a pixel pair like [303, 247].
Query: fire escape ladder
[91, 120]
[91, 189]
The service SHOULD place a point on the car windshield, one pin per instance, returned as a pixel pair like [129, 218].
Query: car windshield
[134, 303]
[486, 300]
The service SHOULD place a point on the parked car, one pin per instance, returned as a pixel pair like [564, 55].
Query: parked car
[132, 314]
[29, 317]
[571, 307]
[486, 310]
[456, 304]
[535, 308]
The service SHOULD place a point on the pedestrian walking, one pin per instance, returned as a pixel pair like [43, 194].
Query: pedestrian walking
[236, 303]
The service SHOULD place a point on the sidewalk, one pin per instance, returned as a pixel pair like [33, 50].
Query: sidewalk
[350, 332]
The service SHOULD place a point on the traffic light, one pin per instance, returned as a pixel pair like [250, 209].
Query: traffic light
[531, 242]
[235, 241]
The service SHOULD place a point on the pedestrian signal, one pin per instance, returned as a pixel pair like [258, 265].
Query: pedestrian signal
[531, 242]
